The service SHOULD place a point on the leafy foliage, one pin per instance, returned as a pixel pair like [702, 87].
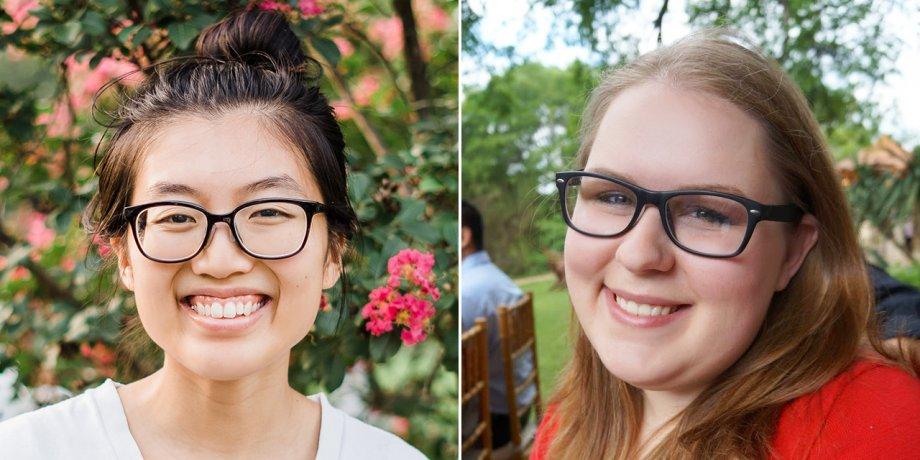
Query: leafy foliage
[517, 131]
[61, 310]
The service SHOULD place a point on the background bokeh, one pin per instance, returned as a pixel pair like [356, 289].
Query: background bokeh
[391, 72]
[528, 66]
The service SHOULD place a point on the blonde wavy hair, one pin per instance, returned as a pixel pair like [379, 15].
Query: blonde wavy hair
[814, 329]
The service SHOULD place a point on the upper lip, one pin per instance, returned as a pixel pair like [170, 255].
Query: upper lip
[646, 299]
[224, 292]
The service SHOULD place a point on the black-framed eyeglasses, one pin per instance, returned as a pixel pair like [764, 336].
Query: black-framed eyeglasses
[177, 231]
[702, 222]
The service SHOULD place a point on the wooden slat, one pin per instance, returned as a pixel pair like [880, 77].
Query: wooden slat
[516, 328]
[475, 382]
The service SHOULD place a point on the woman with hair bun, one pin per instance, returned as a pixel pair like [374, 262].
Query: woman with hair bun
[722, 302]
[223, 194]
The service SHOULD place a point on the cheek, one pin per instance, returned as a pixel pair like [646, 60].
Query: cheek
[586, 260]
[586, 257]
[300, 287]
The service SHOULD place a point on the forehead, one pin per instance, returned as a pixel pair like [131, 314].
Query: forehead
[219, 158]
[665, 137]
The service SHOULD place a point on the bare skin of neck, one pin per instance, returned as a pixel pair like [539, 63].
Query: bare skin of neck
[658, 408]
[174, 413]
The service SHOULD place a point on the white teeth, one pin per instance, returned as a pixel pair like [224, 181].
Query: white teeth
[640, 309]
[228, 310]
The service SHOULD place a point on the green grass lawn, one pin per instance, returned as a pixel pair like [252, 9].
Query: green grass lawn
[552, 312]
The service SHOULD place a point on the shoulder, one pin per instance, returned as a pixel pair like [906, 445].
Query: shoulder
[866, 411]
[345, 437]
[75, 425]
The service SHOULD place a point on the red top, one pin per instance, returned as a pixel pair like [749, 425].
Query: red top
[869, 411]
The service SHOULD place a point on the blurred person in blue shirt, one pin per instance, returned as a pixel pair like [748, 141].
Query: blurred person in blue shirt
[484, 288]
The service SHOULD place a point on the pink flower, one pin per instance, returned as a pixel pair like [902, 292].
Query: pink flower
[19, 11]
[365, 89]
[431, 17]
[309, 8]
[102, 246]
[400, 426]
[412, 336]
[109, 69]
[68, 264]
[19, 273]
[343, 110]
[345, 46]
[407, 305]
[58, 121]
[270, 5]
[38, 235]
[388, 33]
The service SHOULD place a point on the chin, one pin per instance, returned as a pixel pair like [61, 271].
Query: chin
[221, 367]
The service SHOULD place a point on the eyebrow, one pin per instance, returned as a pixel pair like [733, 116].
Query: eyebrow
[283, 181]
[709, 187]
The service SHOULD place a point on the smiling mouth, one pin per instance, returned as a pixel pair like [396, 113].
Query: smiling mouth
[230, 307]
[642, 309]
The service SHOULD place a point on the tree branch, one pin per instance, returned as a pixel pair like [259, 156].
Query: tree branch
[421, 88]
[45, 281]
[660, 19]
[363, 38]
[338, 82]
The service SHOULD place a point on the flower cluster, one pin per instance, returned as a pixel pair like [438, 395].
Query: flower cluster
[407, 300]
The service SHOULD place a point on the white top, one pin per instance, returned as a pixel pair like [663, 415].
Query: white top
[93, 426]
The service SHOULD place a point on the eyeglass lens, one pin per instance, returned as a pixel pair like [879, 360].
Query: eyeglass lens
[704, 223]
[174, 232]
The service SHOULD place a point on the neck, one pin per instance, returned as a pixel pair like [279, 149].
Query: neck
[176, 404]
[660, 408]
[467, 251]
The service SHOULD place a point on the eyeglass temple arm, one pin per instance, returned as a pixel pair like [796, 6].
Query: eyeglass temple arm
[781, 213]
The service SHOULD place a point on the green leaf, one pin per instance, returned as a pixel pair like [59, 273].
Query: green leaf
[411, 210]
[182, 34]
[384, 346]
[429, 184]
[67, 33]
[334, 373]
[422, 231]
[327, 48]
[358, 183]
[94, 24]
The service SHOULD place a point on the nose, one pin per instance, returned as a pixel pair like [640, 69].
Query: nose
[646, 247]
[221, 256]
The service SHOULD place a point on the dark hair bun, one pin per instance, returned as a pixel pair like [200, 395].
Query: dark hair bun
[255, 37]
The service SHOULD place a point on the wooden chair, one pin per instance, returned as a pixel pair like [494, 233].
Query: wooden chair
[516, 328]
[475, 376]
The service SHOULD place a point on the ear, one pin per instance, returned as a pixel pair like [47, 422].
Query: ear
[333, 262]
[125, 270]
[332, 273]
[802, 241]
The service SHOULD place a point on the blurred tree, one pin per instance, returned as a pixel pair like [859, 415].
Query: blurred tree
[391, 73]
[517, 130]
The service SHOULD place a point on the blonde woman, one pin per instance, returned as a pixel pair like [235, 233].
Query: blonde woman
[722, 302]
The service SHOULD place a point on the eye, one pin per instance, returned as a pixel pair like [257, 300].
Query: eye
[614, 198]
[176, 219]
[269, 213]
[710, 216]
